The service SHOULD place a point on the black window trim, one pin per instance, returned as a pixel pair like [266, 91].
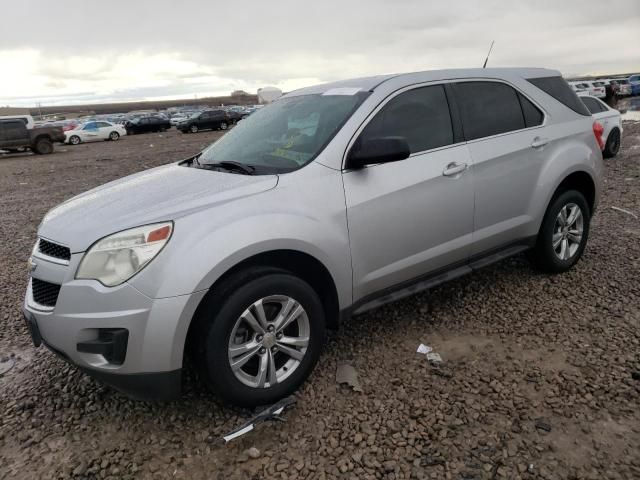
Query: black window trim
[545, 115]
[456, 123]
[456, 119]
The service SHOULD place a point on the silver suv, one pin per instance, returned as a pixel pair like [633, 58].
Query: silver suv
[333, 200]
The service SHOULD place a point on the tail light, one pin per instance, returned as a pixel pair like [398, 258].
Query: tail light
[598, 130]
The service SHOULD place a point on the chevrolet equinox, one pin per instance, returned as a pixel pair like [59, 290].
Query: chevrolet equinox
[330, 201]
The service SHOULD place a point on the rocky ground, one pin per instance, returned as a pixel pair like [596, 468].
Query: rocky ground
[537, 379]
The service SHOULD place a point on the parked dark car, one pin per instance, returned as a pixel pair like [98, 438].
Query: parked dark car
[209, 119]
[147, 124]
[15, 137]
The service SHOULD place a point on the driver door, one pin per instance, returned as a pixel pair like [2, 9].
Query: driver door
[413, 217]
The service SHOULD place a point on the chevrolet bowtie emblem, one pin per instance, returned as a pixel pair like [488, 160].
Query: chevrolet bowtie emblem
[32, 265]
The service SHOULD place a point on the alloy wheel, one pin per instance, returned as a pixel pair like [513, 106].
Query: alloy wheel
[568, 231]
[269, 341]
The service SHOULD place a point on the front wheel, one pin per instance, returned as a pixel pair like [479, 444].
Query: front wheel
[193, 129]
[223, 125]
[260, 335]
[74, 140]
[114, 136]
[563, 234]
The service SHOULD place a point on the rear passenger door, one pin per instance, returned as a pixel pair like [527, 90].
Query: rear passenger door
[506, 138]
[412, 217]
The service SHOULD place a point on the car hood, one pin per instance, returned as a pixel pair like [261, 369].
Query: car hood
[160, 194]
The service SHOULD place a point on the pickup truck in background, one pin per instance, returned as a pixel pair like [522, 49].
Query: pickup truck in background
[15, 136]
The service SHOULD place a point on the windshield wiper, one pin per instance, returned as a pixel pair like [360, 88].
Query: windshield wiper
[230, 165]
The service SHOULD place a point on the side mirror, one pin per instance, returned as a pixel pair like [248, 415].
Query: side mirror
[377, 150]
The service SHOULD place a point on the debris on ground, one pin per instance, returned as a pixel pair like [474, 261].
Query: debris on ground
[424, 349]
[345, 373]
[623, 210]
[271, 413]
[6, 364]
[434, 357]
[541, 424]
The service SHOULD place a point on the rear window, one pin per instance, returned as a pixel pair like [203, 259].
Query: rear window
[559, 89]
[488, 108]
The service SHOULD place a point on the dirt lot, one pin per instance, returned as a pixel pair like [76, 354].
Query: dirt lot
[536, 380]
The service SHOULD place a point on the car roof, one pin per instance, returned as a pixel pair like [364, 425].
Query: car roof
[371, 83]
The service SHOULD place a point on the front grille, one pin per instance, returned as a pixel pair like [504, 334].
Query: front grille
[54, 250]
[44, 293]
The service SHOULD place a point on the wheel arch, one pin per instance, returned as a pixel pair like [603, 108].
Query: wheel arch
[301, 264]
[581, 181]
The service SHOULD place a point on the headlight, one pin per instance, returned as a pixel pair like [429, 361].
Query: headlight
[118, 257]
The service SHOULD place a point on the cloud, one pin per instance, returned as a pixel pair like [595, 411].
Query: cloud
[199, 47]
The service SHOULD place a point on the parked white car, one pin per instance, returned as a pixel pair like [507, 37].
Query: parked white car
[176, 119]
[94, 131]
[596, 89]
[610, 120]
[579, 87]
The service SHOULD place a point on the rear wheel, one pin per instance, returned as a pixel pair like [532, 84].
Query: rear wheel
[259, 336]
[43, 146]
[563, 234]
[114, 136]
[612, 146]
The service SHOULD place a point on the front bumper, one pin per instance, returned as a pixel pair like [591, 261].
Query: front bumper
[81, 325]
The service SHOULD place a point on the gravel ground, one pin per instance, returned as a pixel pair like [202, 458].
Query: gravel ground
[536, 380]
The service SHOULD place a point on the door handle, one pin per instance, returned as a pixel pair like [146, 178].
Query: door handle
[539, 142]
[454, 169]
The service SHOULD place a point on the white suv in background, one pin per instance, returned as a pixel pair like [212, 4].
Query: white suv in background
[610, 120]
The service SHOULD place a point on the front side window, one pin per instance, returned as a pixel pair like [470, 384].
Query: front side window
[488, 108]
[420, 115]
[287, 134]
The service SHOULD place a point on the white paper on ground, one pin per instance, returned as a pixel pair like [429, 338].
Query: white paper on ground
[434, 357]
[342, 91]
[424, 349]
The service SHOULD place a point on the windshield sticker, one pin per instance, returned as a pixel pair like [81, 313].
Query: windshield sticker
[342, 91]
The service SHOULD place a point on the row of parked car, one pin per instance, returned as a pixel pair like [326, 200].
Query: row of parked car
[608, 87]
[19, 133]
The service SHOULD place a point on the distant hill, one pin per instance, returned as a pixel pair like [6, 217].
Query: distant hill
[123, 107]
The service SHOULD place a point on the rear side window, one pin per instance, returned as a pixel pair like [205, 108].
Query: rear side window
[593, 105]
[532, 114]
[488, 108]
[559, 89]
[420, 115]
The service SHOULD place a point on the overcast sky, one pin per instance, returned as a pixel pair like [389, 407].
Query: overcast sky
[69, 52]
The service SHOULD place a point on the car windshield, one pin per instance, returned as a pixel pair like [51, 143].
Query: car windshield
[285, 135]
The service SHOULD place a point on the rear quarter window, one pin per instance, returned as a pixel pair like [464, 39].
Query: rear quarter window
[559, 89]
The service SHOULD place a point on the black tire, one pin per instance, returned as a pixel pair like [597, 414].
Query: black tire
[114, 136]
[215, 321]
[223, 126]
[612, 147]
[193, 129]
[544, 255]
[43, 146]
[74, 140]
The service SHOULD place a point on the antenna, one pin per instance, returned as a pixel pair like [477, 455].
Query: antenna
[487, 59]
